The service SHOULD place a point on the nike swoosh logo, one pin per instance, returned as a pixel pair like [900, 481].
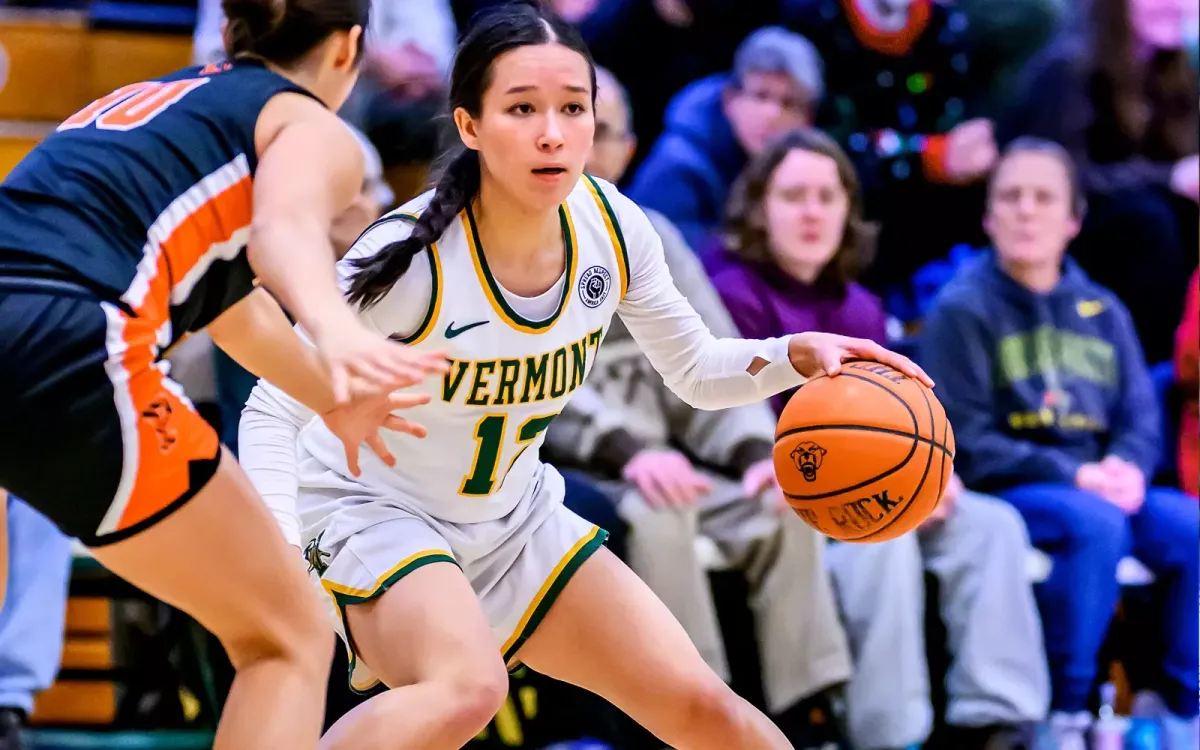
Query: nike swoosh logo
[451, 331]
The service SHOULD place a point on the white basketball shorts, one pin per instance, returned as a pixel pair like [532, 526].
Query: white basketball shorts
[359, 541]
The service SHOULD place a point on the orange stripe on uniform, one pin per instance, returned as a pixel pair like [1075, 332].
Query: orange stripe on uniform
[159, 424]
[168, 433]
[216, 221]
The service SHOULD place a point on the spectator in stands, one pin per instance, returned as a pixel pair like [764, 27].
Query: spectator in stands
[1119, 93]
[902, 103]
[1187, 374]
[410, 49]
[624, 425]
[1002, 36]
[715, 124]
[32, 618]
[1043, 378]
[797, 239]
[657, 47]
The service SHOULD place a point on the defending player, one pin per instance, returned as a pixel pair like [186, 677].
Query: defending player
[462, 559]
[124, 230]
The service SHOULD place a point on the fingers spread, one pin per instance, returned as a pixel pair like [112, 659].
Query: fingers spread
[376, 444]
[352, 459]
[407, 400]
[400, 424]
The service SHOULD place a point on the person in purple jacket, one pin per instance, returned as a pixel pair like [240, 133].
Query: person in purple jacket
[796, 241]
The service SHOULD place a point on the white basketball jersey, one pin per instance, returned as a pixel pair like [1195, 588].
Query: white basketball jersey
[509, 377]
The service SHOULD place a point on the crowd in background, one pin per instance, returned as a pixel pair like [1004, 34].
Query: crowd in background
[1008, 190]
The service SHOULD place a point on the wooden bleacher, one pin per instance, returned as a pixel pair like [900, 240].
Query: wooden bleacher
[52, 63]
[82, 710]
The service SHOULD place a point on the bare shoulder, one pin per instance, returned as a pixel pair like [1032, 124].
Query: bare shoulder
[307, 118]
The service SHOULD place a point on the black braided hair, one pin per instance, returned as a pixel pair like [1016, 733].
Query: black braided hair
[493, 31]
[376, 274]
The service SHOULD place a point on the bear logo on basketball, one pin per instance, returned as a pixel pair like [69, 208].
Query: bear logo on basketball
[594, 285]
[808, 457]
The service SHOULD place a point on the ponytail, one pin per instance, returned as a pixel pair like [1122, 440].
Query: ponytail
[375, 275]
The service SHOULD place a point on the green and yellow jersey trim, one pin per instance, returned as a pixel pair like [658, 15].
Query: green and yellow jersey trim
[435, 291]
[344, 596]
[491, 288]
[553, 586]
[435, 300]
[614, 231]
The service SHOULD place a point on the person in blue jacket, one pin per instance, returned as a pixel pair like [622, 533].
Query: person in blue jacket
[714, 125]
[1051, 400]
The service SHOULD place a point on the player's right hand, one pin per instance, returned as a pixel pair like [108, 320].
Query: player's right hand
[361, 361]
[360, 420]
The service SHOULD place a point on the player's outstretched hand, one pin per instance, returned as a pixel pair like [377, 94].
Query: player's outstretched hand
[814, 353]
[360, 420]
[361, 361]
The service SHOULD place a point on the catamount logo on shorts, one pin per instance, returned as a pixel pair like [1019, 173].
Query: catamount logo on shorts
[594, 285]
[315, 556]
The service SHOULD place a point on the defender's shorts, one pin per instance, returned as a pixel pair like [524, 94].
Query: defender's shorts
[93, 434]
[360, 541]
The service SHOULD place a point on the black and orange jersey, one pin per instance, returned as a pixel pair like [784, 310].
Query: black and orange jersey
[145, 195]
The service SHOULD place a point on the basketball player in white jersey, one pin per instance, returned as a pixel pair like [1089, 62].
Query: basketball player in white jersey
[457, 558]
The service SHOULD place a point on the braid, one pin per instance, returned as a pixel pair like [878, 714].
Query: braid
[375, 275]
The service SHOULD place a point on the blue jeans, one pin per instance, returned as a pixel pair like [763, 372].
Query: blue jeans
[32, 620]
[1086, 537]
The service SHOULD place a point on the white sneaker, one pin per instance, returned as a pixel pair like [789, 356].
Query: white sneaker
[1065, 731]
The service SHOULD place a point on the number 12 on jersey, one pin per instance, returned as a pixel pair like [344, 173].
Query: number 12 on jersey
[489, 441]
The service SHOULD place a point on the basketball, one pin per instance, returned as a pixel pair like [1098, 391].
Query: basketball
[863, 456]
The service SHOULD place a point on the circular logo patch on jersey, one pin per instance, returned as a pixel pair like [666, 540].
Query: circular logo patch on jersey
[3, 67]
[594, 285]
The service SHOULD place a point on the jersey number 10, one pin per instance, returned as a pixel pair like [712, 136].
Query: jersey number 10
[489, 439]
[132, 106]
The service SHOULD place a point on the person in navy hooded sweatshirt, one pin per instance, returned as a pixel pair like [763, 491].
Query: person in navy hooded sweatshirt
[714, 125]
[1044, 380]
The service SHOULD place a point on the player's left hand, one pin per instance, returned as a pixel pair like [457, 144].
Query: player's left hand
[813, 353]
[360, 420]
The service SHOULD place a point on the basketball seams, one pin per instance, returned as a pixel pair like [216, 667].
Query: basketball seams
[914, 436]
[916, 430]
[920, 484]
[864, 428]
[943, 480]
[864, 415]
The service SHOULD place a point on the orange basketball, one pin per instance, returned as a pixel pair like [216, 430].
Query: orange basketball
[864, 456]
